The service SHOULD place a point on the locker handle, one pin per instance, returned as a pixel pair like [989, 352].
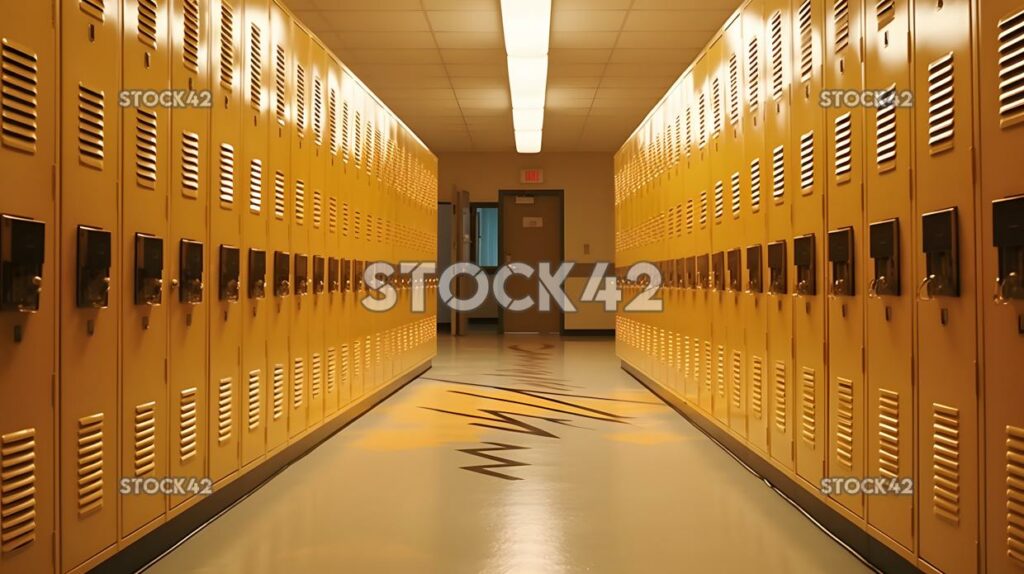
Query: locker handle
[1004, 285]
[922, 290]
[873, 288]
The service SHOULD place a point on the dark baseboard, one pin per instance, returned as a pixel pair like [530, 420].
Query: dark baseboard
[588, 332]
[152, 546]
[856, 539]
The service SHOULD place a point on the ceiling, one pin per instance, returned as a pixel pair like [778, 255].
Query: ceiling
[440, 64]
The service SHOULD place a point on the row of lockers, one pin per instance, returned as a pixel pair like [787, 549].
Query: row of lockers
[180, 285]
[844, 273]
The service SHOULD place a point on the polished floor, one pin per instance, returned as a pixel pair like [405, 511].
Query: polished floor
[523, 454]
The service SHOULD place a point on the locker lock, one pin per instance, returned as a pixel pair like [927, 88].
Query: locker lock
[777, 283]
[93, 268]
[734, 264]
[680, 265]
[803, 260]
[718, 271]
[939, 243]
[301, 271]
[230, 274]
[257, 273]
[358, 267]
[755, 277]
[191, 272]
[691, 272]
[149, 270]
[1008, 239]
[22, 247]
[346, 274]
[703, 276]
[885, 251]
[319, 280]
[282, 274]
[840, 256]
[333, 279]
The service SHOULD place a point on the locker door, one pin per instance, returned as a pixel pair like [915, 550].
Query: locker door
[687, 301]
[889, 309]
[145, 255]
[225, 176]
[347, 198]
[279, 255]
[756, 175]
[28, 233]
[674, 247]
[701, 191]
[189, 249]
[845, 246]
[301, 368]
[255, 176]
[1001, 30]
[333, 251]
[806, 142]
[317, 150]
[782, 162]
[947, 301]
[89, 275]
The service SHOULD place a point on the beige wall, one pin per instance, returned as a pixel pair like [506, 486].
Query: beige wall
[586, 180]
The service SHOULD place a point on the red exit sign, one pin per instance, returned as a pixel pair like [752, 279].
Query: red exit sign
[531, 176]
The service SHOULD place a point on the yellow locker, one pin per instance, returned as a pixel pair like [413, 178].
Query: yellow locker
[674, 195]
[334, 393]
[189, 248]
[28, 286]
[945, 269]
[756, 178]
[782, 160]
[224, 385]
[318, 150]
[846, 244]
[279, 256]
[146, 252]
[90, 52]
[687, 301]
[1001, 123]
[255, 178]
[888, 329]
[301, 370]
[700, 193]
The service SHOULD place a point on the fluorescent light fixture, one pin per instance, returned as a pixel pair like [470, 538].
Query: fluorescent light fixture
[528, 141]
[528, 80]
[527, 25]
[528, 120]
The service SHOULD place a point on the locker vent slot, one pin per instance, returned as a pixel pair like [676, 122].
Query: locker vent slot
[332, 215]
[757, 387]
[720, 372]
[357, 139]
[841, 17]
[225, 398]
[190, 164]
[1015, 493]
[256, 186]
[19, 90]
[147, 23]
[300, 100]
[702, 124]
[300, 202]
[689, 130]
[278, 390]
[332, 370]
[707, 366]
[345, 141]
[941, 104]
[227, 175]
[779, 173]
[775, 27]
[755, 185]
[807, 162]
[145, 439]
[345, 219]
[889, 434]
[346, 376]
[780, 396]
[687, 365]
[719, 201]
[357, 359]
[227, 45]
[716, 107]
[703, 208]
[145, 148]
[806, 41]
[737, 380]
[316, 383]
[736, 195]
[677, 140]
[332, 120]
[844, 422]
[90, 126]
[318, 210]
[318, 111]
[753, 76]
[1011, 70]
[255, 67]
[376, 151]
[299, 382]
[844, 147]
[190, 50]
[885, 12]
[17, 489]
[946, 462]
[885, 132]
[809, 406]
[279, 186]
[90, 464]
[92, 8]
[280, 81]
[734, 90]
[187, 424]
[254, 399]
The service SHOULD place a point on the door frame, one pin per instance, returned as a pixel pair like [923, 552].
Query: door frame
[451, 255]
[502, 193]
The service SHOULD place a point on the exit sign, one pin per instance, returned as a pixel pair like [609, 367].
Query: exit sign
[531, 176]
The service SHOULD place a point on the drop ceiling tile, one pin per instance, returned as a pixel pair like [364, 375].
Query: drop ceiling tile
[675, 20]
[591, 5]
[579, 56]
[647, 69]
[491, 56]
[383, 82]
[587, 20]
[485, 112]
[583, 39]
[314, 20]
[493, 104]
[361, 5]
[377, 21]
[402, 70]
[473, 40]
[628, 93]
[565, 82]
[496, 93]
[558, 111]
[661, 82]
[477, 70]
[473, 82]
[461, 5]
[575, 70]
[407, 92]
[685, 4]
[396, 56]
[570, 93]
[639, 56]
[297, 5]
[668, 40]
[371, 40]
[465, 21]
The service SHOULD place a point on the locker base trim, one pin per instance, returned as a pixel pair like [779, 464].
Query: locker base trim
[857, 540]
[150, 547]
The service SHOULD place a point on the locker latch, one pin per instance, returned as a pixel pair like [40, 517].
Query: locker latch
[755, 278]
[191, 272]
[718, 271]
[282, 274]
[257, 273]
[734, 264]
[939, 243]
[777, 284]
[346, 274]
[1008, 238]
[301, 272]
[358, 267]
[681, 280]
[803, 260]
[230, 273]
[840, 256]
[333, 278]
[319, 281]
[22, 248]
[149, 270]
[703, 276]
[93, 268]
[691, 273]
[885, 251]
